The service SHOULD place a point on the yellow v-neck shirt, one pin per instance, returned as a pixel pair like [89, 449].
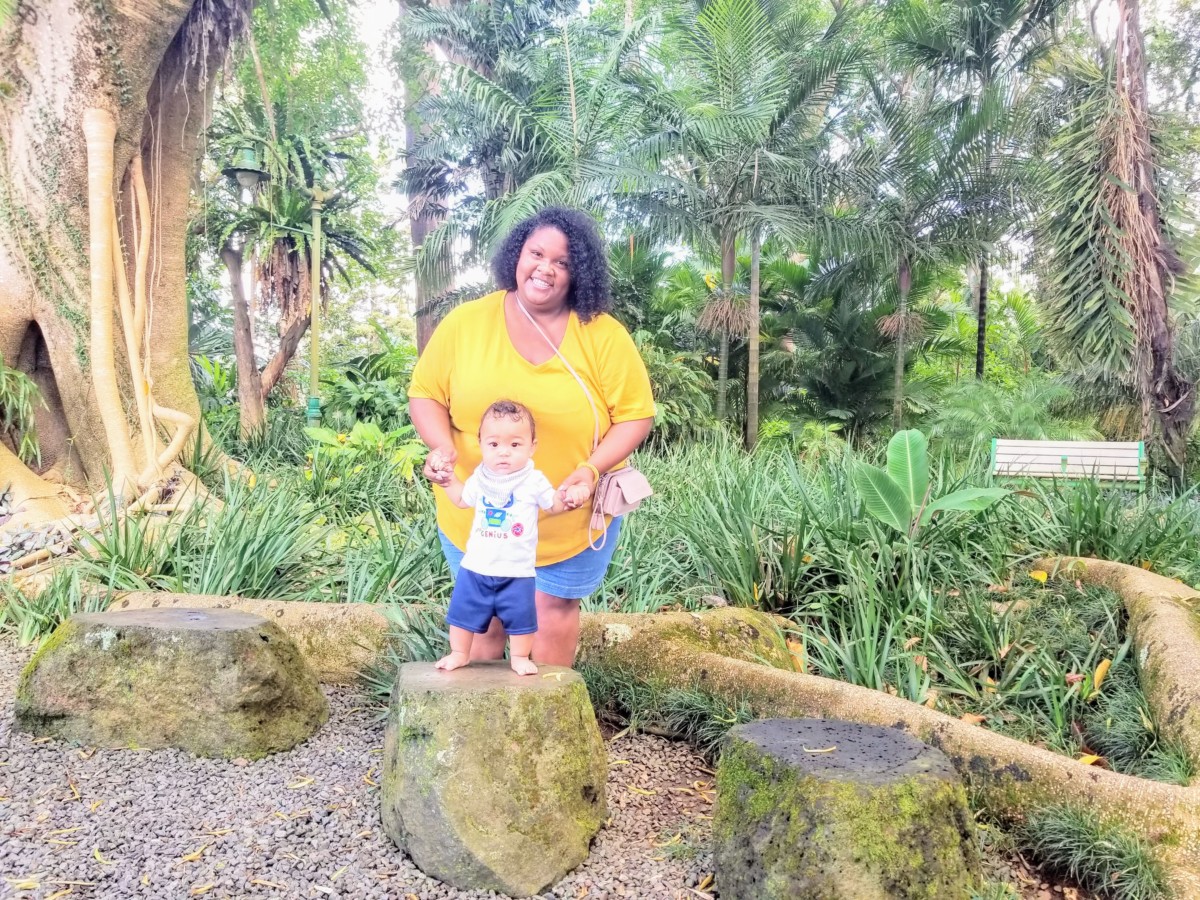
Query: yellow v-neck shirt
[470, 362]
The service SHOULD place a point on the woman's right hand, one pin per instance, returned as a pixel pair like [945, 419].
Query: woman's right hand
[439, 465]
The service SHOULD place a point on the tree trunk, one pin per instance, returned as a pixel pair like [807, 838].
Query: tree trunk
[728, 267]
[981, 325]
[752, 373]
[288, 344]
[904, 284]
[252, 415]
[1162, 387]
[420, 80]
[154, 80]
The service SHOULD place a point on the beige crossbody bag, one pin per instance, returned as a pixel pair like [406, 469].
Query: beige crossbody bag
[617, 492]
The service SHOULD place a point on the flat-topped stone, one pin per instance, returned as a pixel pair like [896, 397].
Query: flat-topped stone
[214, 682]
[815, 809]
[492, 780]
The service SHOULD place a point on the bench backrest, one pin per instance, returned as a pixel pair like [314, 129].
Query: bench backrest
[1104, 460]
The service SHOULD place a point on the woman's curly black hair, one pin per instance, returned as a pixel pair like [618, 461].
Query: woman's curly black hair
[589, 293]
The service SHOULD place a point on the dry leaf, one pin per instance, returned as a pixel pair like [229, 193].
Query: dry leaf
[1074, 678]
[706, 882]
[972, 719]
[921, 661]
[201, 889]
[219, 832]
[261, 883]
[100, 859]
[643, 792]
[912, 642]
[303, 782]
[1101, 672]
[796, 649]
[931, 699]
[339, 873]
[58, 894]
[194, 856]
[822, 750]
[1039, 576]
[1091, 759]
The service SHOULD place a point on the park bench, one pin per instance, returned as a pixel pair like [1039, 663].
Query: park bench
[1116, 461]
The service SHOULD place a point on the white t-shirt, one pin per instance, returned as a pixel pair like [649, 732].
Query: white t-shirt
[503, 539]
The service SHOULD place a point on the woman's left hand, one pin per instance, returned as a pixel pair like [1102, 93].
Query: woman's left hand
[581, 477]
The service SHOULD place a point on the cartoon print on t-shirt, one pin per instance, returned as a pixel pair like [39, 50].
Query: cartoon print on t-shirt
[494, 515]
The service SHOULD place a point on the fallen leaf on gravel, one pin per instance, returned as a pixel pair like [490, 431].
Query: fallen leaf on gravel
[411, 897]
[823, 750]
[339, 873]
[62, 843]
[366, 833]
[145, 879]
[675, 840]
[92, 807]
[201, 889]
[99, 858]
[219, 832]
[303, 782]
[706, 882]
[74, 790]
[619, 762]
[300, 812]
[683, 790]
[643, 792]
[65, 830]
[262, 883]
[367, 779]
[58, 894]
[194, 856]
[26, 882]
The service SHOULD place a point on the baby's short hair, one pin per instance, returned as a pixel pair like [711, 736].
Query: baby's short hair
[510, 409]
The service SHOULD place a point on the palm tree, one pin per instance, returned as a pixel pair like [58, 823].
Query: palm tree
[986, 49]
[536, 109]
[743, 110]
[1106, 246]
[922, 210]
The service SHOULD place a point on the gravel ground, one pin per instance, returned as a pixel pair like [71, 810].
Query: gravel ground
[83, 823]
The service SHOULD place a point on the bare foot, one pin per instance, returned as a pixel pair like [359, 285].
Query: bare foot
[453, 660]
[522, 665]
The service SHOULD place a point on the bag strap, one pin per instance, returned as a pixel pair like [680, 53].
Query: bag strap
[570, 368]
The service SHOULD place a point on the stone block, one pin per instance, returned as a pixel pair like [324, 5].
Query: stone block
[813, 809]
[491, 780]
[217, 683]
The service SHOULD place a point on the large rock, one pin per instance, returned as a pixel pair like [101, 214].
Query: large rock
[214, 682]
[493, 781]
[812, 809]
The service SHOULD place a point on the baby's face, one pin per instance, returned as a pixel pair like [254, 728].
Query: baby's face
[506, 443]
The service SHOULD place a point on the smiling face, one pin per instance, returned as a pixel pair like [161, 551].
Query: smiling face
[543, 270]
[507, 443]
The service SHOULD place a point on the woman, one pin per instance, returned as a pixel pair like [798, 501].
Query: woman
[553, 273]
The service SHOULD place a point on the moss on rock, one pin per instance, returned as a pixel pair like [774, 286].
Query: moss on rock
[214, 683]
[493, 781]
[793, 823]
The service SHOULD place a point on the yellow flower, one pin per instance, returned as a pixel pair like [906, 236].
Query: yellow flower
[1039, 576]
[341, 438]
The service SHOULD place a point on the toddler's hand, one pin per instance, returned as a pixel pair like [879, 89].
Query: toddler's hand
[439, 465]
[576, 495]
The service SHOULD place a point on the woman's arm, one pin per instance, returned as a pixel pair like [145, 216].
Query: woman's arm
[615, 447]
[432, 422]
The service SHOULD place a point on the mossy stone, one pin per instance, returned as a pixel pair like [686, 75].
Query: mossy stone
[811, 809]
[491, 780]
[216, 683]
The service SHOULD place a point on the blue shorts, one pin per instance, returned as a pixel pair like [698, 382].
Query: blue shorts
[477, 598]
[571, 579]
